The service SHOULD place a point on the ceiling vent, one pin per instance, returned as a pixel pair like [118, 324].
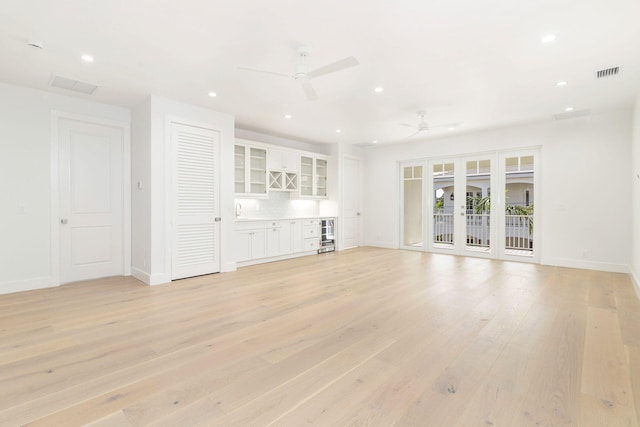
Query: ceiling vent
[571, 114]
[607, 72]
[74, 85]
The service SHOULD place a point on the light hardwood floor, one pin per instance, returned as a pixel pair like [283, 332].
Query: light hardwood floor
[366, 337]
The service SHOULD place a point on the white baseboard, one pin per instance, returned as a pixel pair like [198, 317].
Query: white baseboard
[635, 282]
[275, 258]
[149, 279]
[228, 267]
[586, 265]
[381, 244]
[27, 285]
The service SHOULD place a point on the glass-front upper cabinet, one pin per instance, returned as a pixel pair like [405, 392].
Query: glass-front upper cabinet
[306, 176]
[313, 177]
[250, 170]
[321, 178]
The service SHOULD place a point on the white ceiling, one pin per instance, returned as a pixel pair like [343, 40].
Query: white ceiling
[479, 63]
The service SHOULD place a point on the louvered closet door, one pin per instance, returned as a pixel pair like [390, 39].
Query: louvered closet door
[196, 232]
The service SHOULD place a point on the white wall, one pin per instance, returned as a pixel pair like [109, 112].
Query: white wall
[151, 207]
[25, 181]
[635, 198]
[585, 168]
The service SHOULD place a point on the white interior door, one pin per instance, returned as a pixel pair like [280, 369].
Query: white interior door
[196, 210]
[351, 203]
[91, 200]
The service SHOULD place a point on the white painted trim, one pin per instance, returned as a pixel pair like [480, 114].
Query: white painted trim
[27, 285]
[56, 116]
[276, 258]
[381, 244]
[635, 282]
[149, 279]
[586, 265]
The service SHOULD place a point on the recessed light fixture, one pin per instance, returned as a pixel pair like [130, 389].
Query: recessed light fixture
[549, 38]
[87, 58]
[212, 94]
[452, 128]
[568, 109]
[287, 116]
[379, 89]
[561, 83]
[338, 130]
[375, 141]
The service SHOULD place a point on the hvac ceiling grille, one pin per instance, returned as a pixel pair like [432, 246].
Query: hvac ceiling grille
[607, 72]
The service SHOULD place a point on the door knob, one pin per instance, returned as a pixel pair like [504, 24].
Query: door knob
[358, 213]
[64, 221]
[217, 219]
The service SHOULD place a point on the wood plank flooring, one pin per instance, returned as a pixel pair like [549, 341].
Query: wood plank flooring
[365, 337]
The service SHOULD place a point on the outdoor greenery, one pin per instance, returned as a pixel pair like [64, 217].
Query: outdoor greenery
[483, 204]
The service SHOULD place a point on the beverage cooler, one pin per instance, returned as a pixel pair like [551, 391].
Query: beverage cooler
[327, 235]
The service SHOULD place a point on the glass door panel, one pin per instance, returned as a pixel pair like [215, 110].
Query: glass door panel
[412, 206]
[478, 205]
[443, 194]
[519, 179]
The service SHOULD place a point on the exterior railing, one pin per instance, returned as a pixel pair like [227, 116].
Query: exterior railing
[443, 228]
[518, 230]
[478, 229]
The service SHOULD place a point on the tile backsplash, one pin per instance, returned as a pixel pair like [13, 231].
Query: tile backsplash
[278, 205]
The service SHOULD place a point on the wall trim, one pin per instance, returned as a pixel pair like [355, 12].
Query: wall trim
[27, 285]
[381, 244]
[634, 281]
[586, 265]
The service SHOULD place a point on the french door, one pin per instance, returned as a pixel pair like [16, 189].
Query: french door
[479, 205]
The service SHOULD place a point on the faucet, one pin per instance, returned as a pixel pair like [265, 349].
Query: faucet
[238, 210]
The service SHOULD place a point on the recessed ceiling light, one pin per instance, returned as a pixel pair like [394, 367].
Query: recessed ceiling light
[561, 83]
[87, 58]
[338, 130]
[568, 109]
[287, 116]
[379, 89]
[375, 141]
[212, 94]
[548, 38]
[452, 128]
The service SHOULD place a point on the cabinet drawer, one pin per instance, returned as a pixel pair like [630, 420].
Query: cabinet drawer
[311, 244]
[311, 221]
[310, 232]
[274, 224]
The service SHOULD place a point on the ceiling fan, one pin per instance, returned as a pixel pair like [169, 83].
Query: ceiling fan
[424, 126]
[304, 77]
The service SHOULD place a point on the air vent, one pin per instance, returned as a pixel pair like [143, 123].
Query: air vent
[607, 72]
[571, 114]
[74, 85]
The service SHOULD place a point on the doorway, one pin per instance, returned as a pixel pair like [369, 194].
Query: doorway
[91, 198]
[351, 203]
[476, 205]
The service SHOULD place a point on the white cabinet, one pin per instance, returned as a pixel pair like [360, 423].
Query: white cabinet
[313, 177]
[284, 160]
[283, 170]
[275, 238]
[251, 240]
[250, 164]
[311, 234]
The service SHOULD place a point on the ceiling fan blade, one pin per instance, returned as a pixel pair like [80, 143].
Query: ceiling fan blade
[264, 71]
[310, 91]
[410, 136]
[448, 125]
[333, 67]
[407, 125]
